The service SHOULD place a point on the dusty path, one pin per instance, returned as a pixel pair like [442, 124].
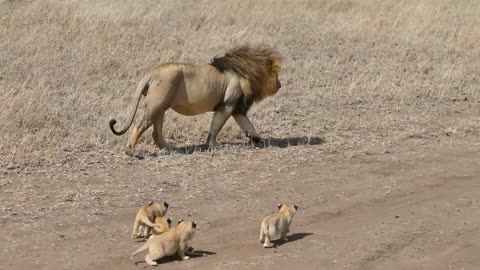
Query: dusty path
[413, 209]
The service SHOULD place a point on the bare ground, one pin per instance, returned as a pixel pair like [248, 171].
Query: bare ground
[416, 208]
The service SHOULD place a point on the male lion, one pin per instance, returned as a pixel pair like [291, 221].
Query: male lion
[229, 85]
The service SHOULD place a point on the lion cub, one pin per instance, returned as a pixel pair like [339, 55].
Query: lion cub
[162, 225]
[168, 243]
[277, 224]
[146, 216]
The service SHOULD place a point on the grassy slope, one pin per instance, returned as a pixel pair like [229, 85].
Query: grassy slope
[355, 71]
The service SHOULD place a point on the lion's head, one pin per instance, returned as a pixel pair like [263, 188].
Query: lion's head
[187, 227]
[257, 66]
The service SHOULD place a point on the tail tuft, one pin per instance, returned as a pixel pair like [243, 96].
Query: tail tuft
[112, 124]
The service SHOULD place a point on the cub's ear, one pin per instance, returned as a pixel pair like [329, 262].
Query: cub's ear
[279, 206]
[180, 221]
[194, 225]
[295, 206]
[150, 203]
[169, 221]
[165, 204]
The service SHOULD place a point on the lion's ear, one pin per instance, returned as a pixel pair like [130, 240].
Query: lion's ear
[194, 225]
[165, 204]
[169, 220]
[150, 203]
[276, 66]
[295, 206]
[180, 221]
[279, 206]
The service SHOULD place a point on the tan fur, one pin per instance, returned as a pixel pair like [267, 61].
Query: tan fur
[277, 224]
[167, 244]
[146, 216]
[228, 85]
[163, 225]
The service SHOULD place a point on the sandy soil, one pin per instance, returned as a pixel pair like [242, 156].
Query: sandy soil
[417, 208]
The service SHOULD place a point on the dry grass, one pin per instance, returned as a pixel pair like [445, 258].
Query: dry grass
[364, 71]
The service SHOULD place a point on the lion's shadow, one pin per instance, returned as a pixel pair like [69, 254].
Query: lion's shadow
[169, 259]
[291, 238]
[265, 143]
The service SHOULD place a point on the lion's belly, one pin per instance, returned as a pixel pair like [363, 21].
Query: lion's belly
[192, 109]
[197, 101]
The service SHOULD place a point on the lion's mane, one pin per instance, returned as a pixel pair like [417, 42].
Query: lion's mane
[258, 66]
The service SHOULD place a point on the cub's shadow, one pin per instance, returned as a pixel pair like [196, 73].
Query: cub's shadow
[265, 143]
[291, 238]
[175, 258]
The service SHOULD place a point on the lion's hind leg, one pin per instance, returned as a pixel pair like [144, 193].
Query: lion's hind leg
[268, 230]
[155, 254]
[158, 130]
[138, 130]
[268, 243]
[149, 260]
[262, 236]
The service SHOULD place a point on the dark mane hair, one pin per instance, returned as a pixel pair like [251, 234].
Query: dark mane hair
[258, 65]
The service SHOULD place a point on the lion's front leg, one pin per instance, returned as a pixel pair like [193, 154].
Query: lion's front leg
[220, 116]
[247, 127]
[181, 252]
[223, 111]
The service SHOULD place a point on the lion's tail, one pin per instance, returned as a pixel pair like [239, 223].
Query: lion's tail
[141, 89]
[140, 249]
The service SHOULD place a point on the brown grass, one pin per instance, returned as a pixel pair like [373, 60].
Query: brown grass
[370, 71]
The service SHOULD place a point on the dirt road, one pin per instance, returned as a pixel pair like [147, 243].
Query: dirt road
[415, 208]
